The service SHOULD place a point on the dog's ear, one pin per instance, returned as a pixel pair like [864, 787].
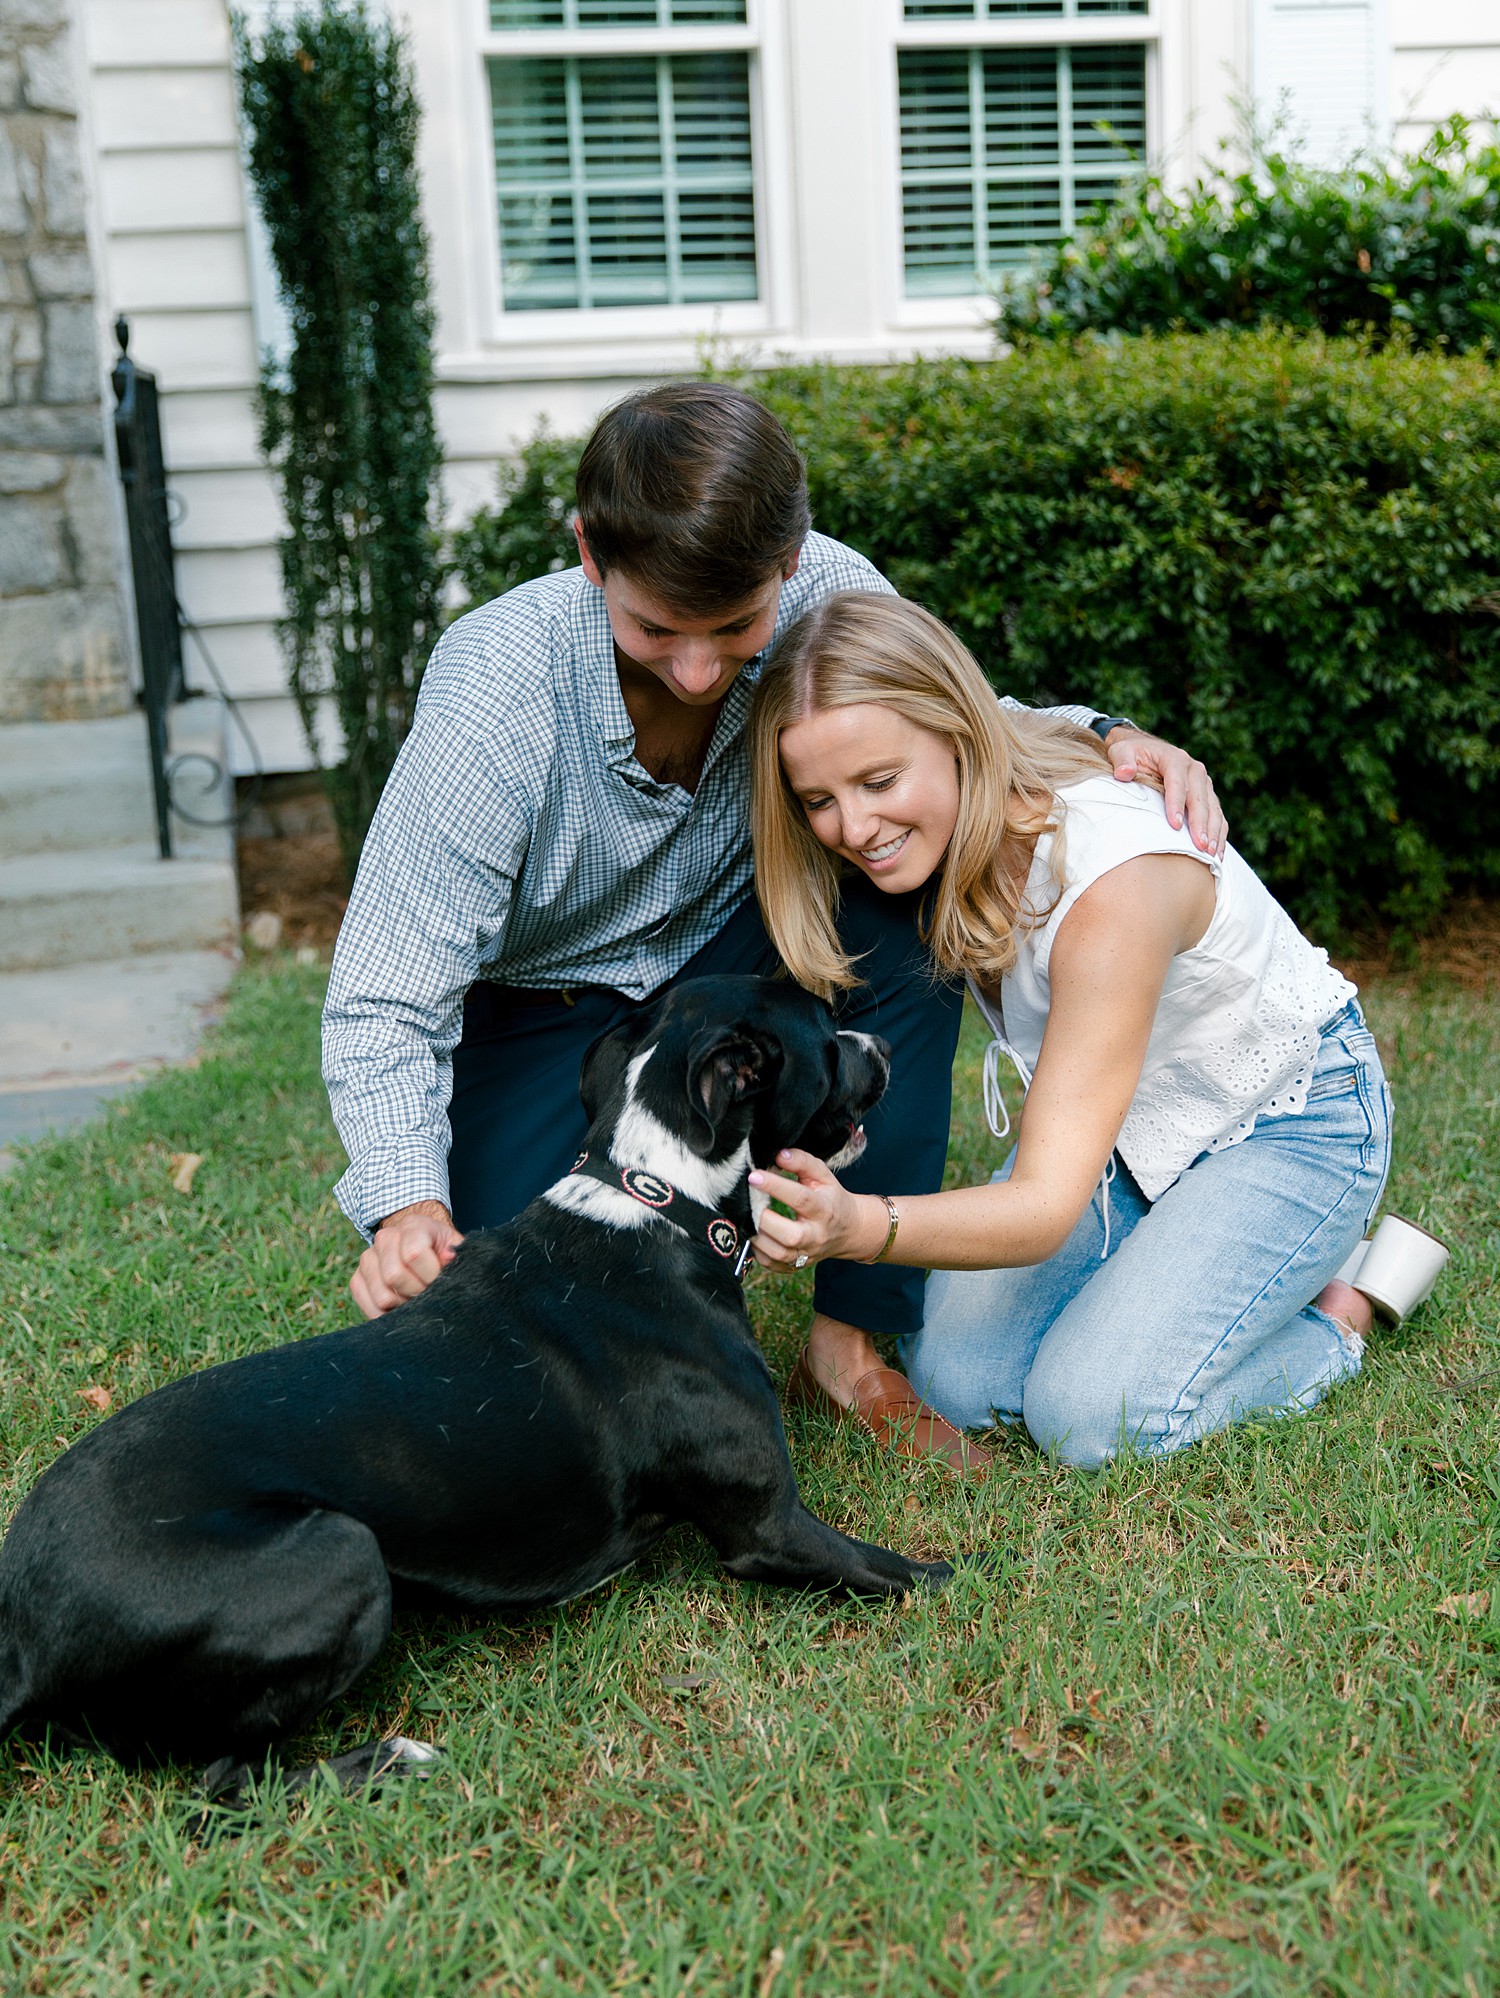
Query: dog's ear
[725, 1065]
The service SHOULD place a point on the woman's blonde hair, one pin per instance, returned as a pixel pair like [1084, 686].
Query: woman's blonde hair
[866, 647]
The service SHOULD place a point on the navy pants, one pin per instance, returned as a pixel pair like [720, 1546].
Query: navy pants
[518, 1124]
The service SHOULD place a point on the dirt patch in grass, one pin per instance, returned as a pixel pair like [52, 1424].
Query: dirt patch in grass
[288, 857]
[1464, 944]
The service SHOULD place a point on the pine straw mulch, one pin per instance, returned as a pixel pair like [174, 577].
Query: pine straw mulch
[299, 878]
[1464, 945]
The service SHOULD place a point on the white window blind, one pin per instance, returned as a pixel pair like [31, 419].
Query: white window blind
[1010, 10]
[616, 14]
[1321, 63]
[1002, 150]
[624, 180]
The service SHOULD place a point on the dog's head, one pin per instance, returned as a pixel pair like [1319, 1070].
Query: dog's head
[722, 1059]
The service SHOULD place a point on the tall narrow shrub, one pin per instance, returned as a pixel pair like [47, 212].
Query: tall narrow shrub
[347, 417]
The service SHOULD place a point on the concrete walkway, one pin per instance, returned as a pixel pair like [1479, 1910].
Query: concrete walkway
[111, 958]
[75, 1036]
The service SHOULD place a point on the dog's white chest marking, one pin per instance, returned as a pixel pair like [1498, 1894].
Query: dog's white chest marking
[642, 1141]
[599, 1202]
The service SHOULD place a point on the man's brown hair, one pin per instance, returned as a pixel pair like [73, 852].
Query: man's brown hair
[694, 491]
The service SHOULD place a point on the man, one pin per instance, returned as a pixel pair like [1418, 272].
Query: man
[566, 832]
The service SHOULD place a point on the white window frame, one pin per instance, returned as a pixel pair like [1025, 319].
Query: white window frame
[975, 312]
[507, 335]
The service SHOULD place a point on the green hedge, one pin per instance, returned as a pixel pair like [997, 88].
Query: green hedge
[1409, 246]
[1283, 553]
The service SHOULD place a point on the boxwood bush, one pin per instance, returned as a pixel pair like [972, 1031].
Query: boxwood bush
[1283, 553]
[1409, 246]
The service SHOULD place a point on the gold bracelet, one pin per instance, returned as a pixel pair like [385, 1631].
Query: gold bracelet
[885, 1248]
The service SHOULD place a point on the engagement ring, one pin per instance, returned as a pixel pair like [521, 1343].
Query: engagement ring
[800, 1264]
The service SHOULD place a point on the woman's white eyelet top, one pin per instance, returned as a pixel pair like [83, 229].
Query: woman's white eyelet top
[1240, 1015]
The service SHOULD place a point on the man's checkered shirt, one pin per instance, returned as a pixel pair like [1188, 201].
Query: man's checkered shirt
[518, 839]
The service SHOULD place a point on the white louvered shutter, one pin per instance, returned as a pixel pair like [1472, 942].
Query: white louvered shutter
[1323, 62]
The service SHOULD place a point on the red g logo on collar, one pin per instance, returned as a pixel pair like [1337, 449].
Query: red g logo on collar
[723, 1237]
[646, 1187]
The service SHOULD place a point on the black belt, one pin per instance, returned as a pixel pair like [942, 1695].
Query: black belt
[531, 995]
[536, 995]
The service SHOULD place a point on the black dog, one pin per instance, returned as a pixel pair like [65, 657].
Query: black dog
[203, 1572]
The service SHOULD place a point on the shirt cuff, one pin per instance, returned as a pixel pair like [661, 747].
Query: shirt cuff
[1079, 716]
[392, 1176]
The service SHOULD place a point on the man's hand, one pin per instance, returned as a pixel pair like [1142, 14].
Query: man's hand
[411, 1248]
[1186, 785]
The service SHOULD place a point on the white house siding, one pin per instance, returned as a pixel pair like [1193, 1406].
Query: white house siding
[1202, 72]
[828, 200]
[1445, 57]
[172, 209]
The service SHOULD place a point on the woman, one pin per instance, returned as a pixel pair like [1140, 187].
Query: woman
[1207, 1129]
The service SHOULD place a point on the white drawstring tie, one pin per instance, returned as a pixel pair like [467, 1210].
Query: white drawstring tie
[997, 1116]
[1106, 1180]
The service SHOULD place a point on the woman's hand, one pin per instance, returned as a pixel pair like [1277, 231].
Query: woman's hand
[830, 1221]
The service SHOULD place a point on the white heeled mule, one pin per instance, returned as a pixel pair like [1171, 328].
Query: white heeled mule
[1396, 1268]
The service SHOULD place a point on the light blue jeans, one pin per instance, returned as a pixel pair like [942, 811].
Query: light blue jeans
[1200, 1312]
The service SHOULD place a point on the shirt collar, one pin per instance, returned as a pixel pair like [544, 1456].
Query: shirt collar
[600, 686]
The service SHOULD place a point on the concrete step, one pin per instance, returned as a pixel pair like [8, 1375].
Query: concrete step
[74, 784]
[202, 783]
[66, 786]
[102, 1025]
[85, 904]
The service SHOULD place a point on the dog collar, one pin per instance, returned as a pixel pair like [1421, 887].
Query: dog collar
[699, 1223]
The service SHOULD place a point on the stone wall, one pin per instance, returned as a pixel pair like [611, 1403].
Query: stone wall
[63, 640]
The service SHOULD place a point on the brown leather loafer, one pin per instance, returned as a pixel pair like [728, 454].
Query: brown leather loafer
[886, 1403]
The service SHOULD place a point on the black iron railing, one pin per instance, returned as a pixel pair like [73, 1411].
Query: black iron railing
[138, 443]
[159, 617]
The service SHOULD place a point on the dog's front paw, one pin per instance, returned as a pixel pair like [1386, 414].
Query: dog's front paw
[938, 1574]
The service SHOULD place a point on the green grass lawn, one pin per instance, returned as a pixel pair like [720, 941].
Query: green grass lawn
[1223, 1723]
